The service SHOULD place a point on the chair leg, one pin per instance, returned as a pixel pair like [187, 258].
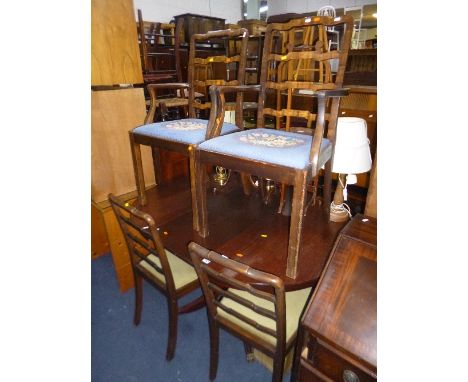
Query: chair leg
[297, 220]
[327, 182]
[200, 191]
[155, 152]
[138, 170]
[193, 189]
[301, 339]
[249, 354]
[282, 198]
[278, 369]
[246, 186]
[172, 336]
[138, 299]
[214, 349]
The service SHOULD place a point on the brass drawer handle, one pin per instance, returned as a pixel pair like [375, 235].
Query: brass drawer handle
[350, 376]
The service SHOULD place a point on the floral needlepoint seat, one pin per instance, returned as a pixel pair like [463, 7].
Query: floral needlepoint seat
[189, 131]
[268, 145]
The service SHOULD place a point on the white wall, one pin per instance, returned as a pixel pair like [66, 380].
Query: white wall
[165, 10]
[276, 7]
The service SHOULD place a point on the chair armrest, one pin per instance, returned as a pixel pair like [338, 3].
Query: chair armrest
[339, 92]
[218, 106]
[152, 90]
[171, 85]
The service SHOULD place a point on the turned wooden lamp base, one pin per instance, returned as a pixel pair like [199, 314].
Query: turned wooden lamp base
[337, 212]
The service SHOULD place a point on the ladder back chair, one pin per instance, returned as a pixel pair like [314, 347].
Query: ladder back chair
[160, 50]
[264, 318]
[329, 10]
[184, 135]
[289, 156]
[150, 261]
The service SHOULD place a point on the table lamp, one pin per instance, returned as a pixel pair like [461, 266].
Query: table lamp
[352, 156]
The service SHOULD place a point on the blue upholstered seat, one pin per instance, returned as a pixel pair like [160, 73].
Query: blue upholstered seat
[269, 146]
[190, 131]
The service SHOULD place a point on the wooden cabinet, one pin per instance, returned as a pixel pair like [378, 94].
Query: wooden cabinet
[194, 24]
[113, 114]
[337, 338]
[106, 236]
[361, 67]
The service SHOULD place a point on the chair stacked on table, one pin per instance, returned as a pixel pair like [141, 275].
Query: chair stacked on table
[185, 134]
[291, 156]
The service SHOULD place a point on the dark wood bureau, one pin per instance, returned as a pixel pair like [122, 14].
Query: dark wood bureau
[337, 338]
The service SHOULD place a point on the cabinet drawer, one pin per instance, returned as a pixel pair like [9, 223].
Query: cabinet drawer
[335, 365]
[308, 373]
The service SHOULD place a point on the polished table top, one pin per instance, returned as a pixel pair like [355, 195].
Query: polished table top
[244, 229]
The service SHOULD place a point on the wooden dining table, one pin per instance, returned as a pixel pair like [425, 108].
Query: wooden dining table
[244, 229]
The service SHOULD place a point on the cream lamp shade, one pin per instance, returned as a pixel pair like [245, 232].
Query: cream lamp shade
[352, 151]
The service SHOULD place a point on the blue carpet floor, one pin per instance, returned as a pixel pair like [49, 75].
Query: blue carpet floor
[123, 352]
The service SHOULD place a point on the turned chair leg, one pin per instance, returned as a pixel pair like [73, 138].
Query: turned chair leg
[138, 299]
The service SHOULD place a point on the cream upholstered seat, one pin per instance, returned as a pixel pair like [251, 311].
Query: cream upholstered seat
[150, 261]
[250, 304]
[182, 272]
[295, 302]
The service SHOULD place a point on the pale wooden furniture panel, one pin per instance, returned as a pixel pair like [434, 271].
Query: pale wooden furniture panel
[115, 56]
[112, 240]
[114, 113]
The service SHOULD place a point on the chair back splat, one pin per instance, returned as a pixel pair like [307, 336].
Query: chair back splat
[150, 261]
[253, 309]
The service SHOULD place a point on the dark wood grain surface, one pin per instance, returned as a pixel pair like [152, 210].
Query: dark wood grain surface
[341, 318]
[244, 229]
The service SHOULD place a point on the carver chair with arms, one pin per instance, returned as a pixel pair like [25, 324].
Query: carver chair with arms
[185, 134]
[150, 261]
[257, 309]
[292, 156]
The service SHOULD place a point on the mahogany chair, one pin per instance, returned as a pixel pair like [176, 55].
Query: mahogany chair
[258, 311]
[185, 134]
[292, 156]
[159, 50]
[150, 261]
